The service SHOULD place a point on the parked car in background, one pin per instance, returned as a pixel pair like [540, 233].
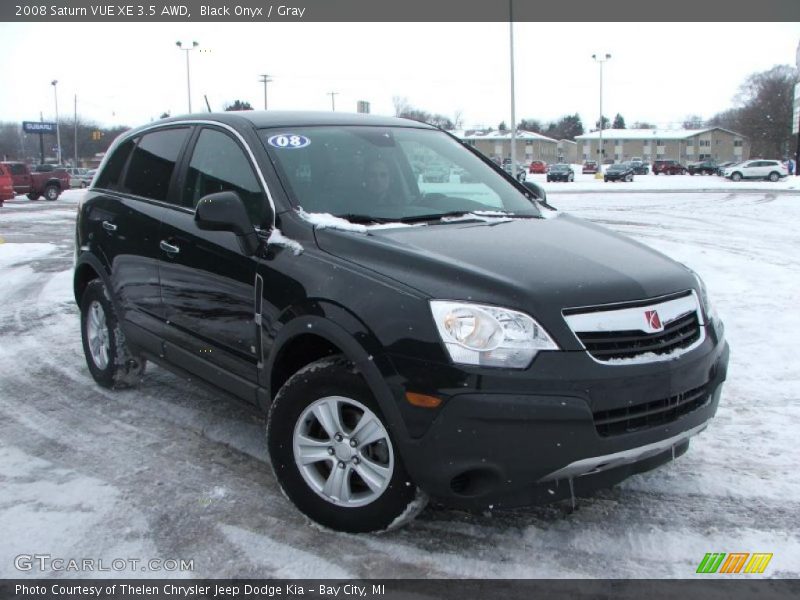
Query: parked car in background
[619, 172]
[722, 166]
[705, 167]
[48, 168]
[49, 184]
[757, 169]
[78, 177]
[590, 166]
[517, 358]
[561, 172]
[538, 167]
[520, 169]
[6, 185]
[668, 167]
[639, 166]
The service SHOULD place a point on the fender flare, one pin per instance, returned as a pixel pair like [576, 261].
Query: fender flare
[102, 271]
[341, 328]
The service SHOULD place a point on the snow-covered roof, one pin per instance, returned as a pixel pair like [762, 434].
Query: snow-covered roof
[647, 134]
[504, 135]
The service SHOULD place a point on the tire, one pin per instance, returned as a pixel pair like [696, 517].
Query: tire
[570, 178]
[629, 178]
[691, 173]
[774, 176]
[331, 390]
[33, 196]
[736, 176]
[605, 179]
[51, 192]
[110, 360]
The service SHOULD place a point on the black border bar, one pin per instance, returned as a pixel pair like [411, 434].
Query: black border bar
[255, 11]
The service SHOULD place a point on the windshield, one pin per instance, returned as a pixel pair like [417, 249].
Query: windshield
[559, 168]
[367, 173]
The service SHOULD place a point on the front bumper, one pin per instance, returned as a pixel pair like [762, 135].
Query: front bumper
[515, 439]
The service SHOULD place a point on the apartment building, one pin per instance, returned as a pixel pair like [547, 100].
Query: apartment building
[497, 144]
[683, 145]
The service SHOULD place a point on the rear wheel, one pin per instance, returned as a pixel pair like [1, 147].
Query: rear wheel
[332, 453]
[51, 192]
[110, 360]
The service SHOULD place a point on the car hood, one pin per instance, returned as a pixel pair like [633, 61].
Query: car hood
[540, 266]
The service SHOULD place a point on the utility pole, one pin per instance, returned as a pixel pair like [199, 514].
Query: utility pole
[333, 102]
[54, 83]
[265, 79]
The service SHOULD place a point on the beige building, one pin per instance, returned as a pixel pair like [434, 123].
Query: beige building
[497, 144]
[567, 151]
[683, 145]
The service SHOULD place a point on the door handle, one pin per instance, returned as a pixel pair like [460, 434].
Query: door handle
[109, 226]
[168, 248]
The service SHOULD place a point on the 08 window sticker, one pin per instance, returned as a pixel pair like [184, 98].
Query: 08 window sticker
[288, 141]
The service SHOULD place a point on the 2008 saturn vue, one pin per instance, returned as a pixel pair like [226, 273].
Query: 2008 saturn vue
[416, 323]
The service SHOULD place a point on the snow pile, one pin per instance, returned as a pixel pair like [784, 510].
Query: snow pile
[329, 221]
[484, 216]
[276, 238]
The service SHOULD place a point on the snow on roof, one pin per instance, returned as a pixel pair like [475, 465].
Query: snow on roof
[503, 135]
[647, 134]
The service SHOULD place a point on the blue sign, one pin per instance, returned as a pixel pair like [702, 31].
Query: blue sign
[38, 127]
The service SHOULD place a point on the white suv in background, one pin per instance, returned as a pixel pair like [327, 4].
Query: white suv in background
[757, 169]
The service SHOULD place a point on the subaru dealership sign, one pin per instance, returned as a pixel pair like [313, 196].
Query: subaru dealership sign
[38, 127]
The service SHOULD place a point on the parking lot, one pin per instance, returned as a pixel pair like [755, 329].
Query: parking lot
[173, 470]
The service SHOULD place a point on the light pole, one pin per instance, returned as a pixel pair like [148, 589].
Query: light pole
[188, 79]
[600, 61]
[265, 80]
[54, 83]
[513, 112]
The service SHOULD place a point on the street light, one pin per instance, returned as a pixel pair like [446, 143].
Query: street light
[188, 80]
[600, 61]
[54, 83]
[265, 79]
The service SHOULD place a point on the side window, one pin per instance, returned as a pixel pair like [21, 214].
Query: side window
[109, 178]
[153, 162]
[219, 165]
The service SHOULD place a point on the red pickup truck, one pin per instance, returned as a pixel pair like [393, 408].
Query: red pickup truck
[48, 184]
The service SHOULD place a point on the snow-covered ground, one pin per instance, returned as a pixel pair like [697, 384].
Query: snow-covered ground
[174, 471]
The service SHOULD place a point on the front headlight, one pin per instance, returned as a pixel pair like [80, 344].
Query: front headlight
[489, 336]
[708, 308]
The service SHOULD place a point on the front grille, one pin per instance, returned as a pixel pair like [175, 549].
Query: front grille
[649, 414]
[607, 345]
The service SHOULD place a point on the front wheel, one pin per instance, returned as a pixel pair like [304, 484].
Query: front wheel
[736, 176]
[110, 360]
[774, 176]
[332, 453]
[33, 196]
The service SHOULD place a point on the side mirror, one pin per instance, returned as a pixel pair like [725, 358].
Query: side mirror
[536, 190]
[225, 211]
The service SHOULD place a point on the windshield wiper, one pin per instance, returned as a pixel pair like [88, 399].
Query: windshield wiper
[478, 215]
[360, 218]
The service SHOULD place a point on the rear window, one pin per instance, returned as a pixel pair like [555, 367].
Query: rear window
[153, 163]
[110, 176]
[18, 169]
[3, 172]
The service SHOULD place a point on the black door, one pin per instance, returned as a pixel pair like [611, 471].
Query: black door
[207, 283]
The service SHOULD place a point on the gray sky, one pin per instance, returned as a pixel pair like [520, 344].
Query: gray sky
[131, 73]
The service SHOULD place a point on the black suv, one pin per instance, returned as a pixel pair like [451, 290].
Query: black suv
[458, 340]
